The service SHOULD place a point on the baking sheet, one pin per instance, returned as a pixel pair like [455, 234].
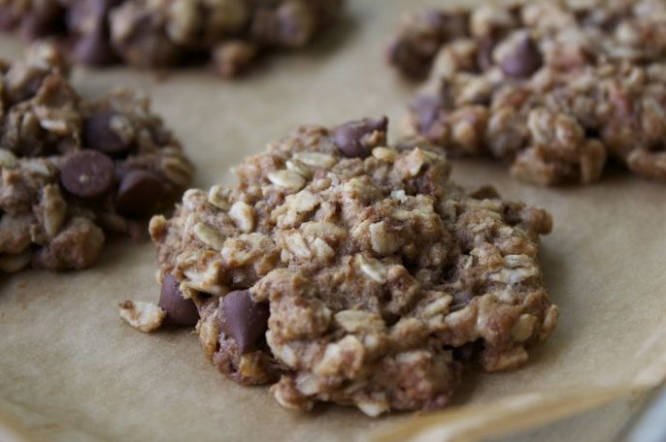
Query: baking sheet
[71, 370]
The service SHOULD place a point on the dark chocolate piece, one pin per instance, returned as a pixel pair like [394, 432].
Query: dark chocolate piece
[244, 320]
[87, 174]
[140, 192]
[349, 137]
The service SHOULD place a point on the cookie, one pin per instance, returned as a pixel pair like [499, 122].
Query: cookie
[553, 88]
[231, 33]
[74, 170]
[341, 270]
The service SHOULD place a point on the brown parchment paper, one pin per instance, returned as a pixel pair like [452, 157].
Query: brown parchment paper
[71, 370]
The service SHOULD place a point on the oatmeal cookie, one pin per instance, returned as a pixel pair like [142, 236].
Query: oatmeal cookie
[339, 269]
[155, 34]
[554, 88]
[73, 170]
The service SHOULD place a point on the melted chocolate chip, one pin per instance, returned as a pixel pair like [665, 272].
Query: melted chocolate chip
[244, 320]
[523, 60]
[87, 174]
[180, 311]
[348, 137]
[139, 193]
[98, 134]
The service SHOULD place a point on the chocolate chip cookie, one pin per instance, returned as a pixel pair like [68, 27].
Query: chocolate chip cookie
[339, 269]
[155, 34]
[73, 170]
[554, 88]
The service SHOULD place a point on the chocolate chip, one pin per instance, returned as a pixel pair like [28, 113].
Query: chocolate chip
[87, 174]
[467, 351]
[88, 20]
[99, 135]
[44, 20]
[408, 57]
[139, 193]
[484, 53]
[294, 24]
[180, 311]
[30, 87]
[349, 136]
[8, 18]
[33, 27]
[144, 43]
[523, 60]
[244, 320]
[287, 25]
[436, 18]
[94, 49]
[461, 299]
[82, 13]
[447, 26]
[426, 109]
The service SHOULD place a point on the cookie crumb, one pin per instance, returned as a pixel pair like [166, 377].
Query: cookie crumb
[143, 316]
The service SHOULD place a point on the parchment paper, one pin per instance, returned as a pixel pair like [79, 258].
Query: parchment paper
[71, 370]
